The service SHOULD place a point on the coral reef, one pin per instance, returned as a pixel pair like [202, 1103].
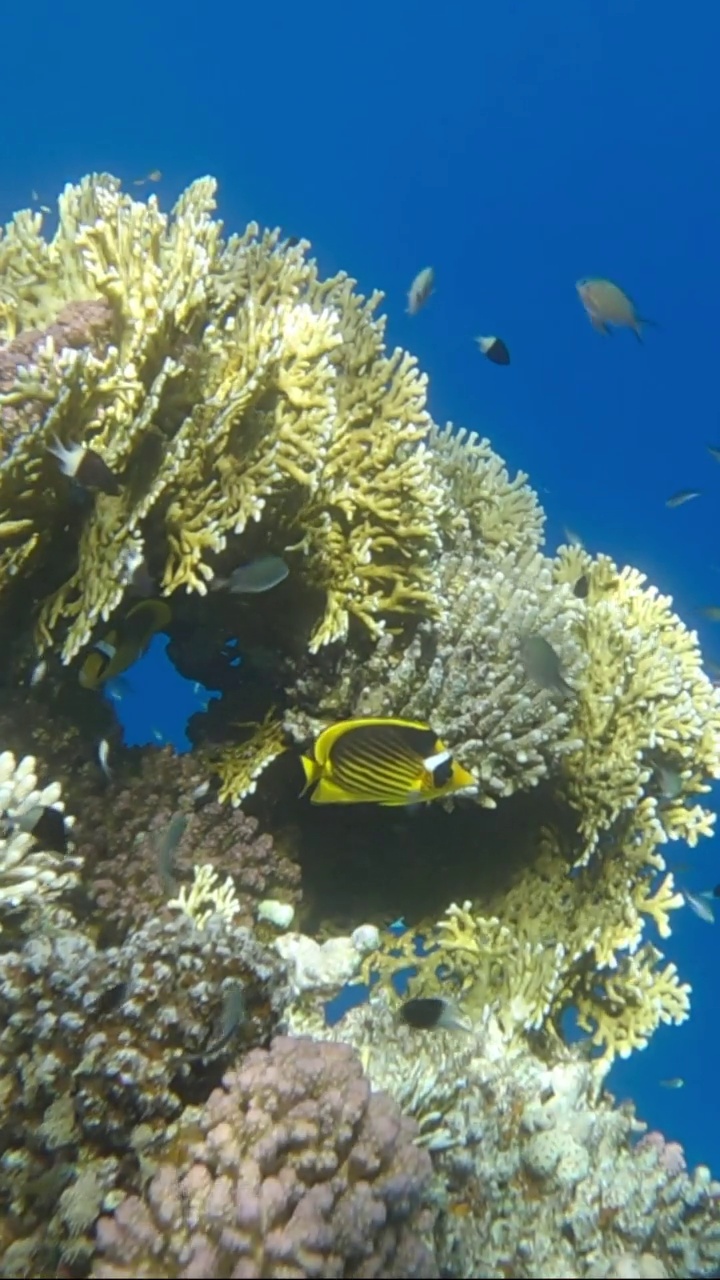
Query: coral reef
[133, 871]
[102, 1049]
[239, 405]
[541, 1173]
[30, 874]
[226, 391]
[292, 1168]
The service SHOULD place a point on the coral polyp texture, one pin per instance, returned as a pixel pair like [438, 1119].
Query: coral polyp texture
[541, 1173]
[100, 1050]
[292, 1168]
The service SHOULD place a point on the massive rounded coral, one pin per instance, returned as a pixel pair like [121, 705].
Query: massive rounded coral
[293, 1168]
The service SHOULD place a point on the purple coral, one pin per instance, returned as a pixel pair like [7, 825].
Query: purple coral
[294, 1169]
[120, 833]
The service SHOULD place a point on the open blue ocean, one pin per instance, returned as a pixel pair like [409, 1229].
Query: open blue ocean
[514, 147]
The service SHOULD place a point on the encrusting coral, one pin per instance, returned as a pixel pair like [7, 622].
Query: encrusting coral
[293, 1168]
[537, 1171]
[101, 1049]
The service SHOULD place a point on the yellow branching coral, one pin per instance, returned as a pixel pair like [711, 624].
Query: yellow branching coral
[644, 700]
[239, 765]
[224, 389]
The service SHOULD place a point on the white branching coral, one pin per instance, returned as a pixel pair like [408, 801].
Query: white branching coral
[27, 870]
[206, 897]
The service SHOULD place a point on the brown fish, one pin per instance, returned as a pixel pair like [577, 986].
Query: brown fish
[607, 304]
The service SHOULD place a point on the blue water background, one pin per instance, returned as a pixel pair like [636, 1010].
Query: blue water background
[515, 147]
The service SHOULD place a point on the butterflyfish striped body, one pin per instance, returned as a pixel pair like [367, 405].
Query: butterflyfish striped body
[127, 642]
[382, 761]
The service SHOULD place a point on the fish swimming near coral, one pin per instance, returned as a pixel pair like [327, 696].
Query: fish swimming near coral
[420, 290]
[46, 825]
[607, 304]
[86, 467]
[261, 574]
[382, 761]
[433, 1013]
[542, 665]
[494, 349]
[127, 642]
[701, 904]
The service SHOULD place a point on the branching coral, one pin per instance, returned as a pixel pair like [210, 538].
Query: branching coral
[226, 391]
[293, 1168]
[29, 872]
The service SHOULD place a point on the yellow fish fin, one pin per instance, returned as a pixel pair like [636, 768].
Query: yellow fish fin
[461, 778]
[312, 771]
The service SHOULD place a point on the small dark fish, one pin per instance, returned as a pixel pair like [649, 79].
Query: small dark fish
[674, 1082]
[86, 467]
[47, 826]
[430, 1013]
[683, 495]
[261, 574]
[420, 290]
[714, 451]
[542, 665]
[582, 586]
[292, 242]
[606, 304]
[494, 349]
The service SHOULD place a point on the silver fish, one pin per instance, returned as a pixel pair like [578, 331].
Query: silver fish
[607, 304]
[165, 851]
[420, 290]
[682, 495]
[542, 665]
[674, 1082]
[38, 673]
[670, 781]
[701, 904]
[104, 757]
[261, 574]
